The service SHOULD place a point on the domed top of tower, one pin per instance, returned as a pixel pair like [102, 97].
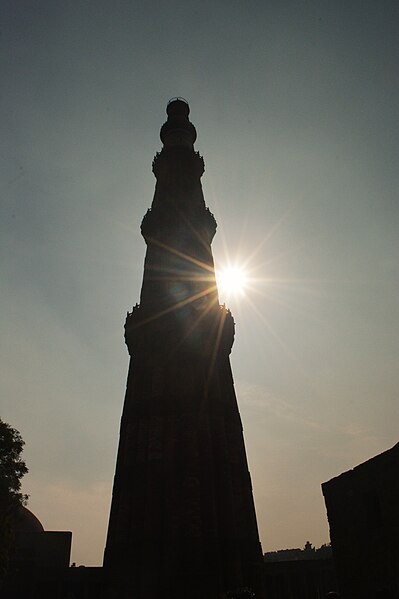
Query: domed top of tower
[178, 131]
[178, 107]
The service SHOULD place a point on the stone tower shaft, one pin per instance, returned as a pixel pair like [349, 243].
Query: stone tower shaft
[178, 228]
[182, 520]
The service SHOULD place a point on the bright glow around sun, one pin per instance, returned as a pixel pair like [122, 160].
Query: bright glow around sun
[232, 281]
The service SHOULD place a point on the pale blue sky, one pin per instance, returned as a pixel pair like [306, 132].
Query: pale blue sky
[296, 109]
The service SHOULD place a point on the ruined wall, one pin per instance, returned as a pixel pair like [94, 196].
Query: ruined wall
[363, 513]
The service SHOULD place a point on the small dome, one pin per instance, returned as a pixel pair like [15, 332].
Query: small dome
[26, 521]
[178, 131]
[178, 107]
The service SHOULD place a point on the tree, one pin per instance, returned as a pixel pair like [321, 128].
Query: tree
[12, 469]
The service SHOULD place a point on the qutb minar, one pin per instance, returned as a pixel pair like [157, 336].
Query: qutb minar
[182, 521]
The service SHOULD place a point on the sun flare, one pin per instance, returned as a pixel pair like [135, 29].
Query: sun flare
[232, 281]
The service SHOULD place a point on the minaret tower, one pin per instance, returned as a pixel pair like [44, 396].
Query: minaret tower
[182, 522]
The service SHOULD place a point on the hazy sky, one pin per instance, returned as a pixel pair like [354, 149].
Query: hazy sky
[296, 109]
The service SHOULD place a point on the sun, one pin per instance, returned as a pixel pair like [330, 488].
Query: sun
[232, 281]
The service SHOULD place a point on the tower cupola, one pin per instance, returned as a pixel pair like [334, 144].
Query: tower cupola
[178, 130]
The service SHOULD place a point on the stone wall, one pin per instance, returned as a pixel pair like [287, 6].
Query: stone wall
[363, 513]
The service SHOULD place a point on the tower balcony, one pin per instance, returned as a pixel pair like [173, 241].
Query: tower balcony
[193, 329]
[178, 165]
[184, 225]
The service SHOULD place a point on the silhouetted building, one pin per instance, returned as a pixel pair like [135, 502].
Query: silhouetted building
[35, 548]
[39, 559]
[363, 513]
[182, 521]
[299, 579]
[299, 573]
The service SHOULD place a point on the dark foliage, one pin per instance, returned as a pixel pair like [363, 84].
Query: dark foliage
[12, 469]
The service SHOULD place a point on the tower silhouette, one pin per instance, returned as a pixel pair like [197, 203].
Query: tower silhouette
[182, 521]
